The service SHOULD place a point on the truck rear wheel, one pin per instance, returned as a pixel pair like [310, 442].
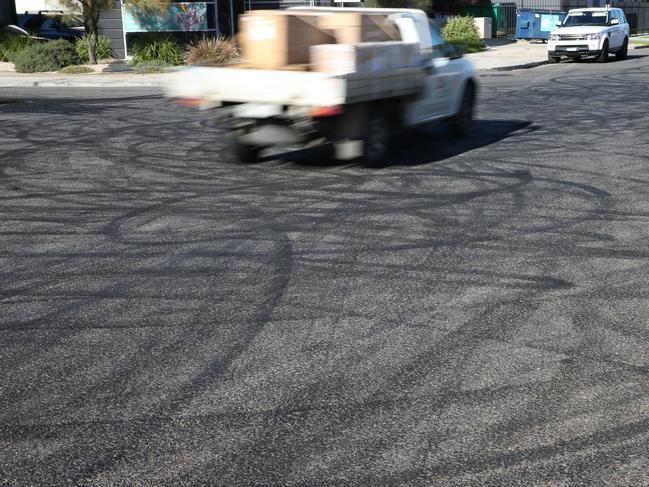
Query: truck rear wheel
[245, 153]
[376, 143]
[460, 124]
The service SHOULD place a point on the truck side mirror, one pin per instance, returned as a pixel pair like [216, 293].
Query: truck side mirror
[454, 51]
[614, 22]
[558, 23]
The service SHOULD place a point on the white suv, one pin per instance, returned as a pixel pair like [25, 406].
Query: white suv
[590, 32]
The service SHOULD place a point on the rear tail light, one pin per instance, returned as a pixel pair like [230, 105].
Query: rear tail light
[190, 102]
[326, 111]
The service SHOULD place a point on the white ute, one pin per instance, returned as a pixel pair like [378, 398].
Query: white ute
[590, 32]
[357, 112]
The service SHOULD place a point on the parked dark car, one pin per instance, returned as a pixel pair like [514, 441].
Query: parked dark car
[51, 25]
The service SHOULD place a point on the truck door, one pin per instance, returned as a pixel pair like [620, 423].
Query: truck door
[442, 79]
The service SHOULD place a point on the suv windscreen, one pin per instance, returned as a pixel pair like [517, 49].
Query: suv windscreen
[70, 21]
[29, 21]
[576, 19]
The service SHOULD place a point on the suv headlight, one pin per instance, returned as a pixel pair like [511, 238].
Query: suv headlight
[593, 37]
[555, 37]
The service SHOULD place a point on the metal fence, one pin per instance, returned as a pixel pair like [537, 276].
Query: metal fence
[503, 15]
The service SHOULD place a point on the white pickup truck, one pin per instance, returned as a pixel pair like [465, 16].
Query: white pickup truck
[357, 112]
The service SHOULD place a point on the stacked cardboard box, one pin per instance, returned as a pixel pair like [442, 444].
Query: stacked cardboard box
[273, 39]
[364, 57]
[332, 42]
[355, 27]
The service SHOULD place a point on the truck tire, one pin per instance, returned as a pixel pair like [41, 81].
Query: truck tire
[624, 50]
[245, 153]
[376, 143]
[460, 124]
[553, 59]
[603, 56]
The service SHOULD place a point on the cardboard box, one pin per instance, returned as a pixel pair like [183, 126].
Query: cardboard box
[355, 27]
[273, 39]
[364, 57]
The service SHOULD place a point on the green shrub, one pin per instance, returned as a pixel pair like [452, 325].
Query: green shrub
[216, 50]
[50, 56]
[74, 69]
[157, 47]
[12, 44]
[145, 67]
[104, 51]
[462, 30]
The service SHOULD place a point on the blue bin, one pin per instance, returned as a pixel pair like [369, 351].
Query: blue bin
[537, 24]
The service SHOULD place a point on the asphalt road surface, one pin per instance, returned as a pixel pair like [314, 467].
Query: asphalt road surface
[476, 313]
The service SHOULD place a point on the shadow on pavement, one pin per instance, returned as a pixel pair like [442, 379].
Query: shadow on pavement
[423, 145]
[611, 59]
[499, 41]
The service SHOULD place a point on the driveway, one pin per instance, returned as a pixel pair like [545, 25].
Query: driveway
[473, 314]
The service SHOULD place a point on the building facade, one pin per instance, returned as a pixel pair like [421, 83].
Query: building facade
[122, 25]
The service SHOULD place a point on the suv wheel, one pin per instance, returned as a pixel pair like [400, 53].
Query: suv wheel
[603, 56]
[553, 59]
[624, 51]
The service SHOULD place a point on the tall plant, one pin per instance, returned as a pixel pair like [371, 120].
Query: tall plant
[148, 7]
[91, 10]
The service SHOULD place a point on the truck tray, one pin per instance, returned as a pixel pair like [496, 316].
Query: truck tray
[213, 86]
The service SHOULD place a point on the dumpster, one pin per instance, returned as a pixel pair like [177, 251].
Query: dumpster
[537, 24]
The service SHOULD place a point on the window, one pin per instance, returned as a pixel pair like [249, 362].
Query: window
[438, 42]
[50, 24]
[31, 22]
[597, 18]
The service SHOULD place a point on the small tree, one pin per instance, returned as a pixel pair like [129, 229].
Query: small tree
[91, 10]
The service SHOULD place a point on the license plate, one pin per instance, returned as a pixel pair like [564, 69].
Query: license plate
[257, 110]
[572, 49]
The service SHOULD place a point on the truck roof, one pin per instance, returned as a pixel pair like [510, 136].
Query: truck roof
[593, 9]
[361, 9]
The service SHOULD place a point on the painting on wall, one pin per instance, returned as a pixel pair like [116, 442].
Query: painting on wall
[178, 17]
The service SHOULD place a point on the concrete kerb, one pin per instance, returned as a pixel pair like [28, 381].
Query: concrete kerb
[107, 75]
[145, 80]
[534, 64]
[77, 84]
[515, 67]
[89, 81]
